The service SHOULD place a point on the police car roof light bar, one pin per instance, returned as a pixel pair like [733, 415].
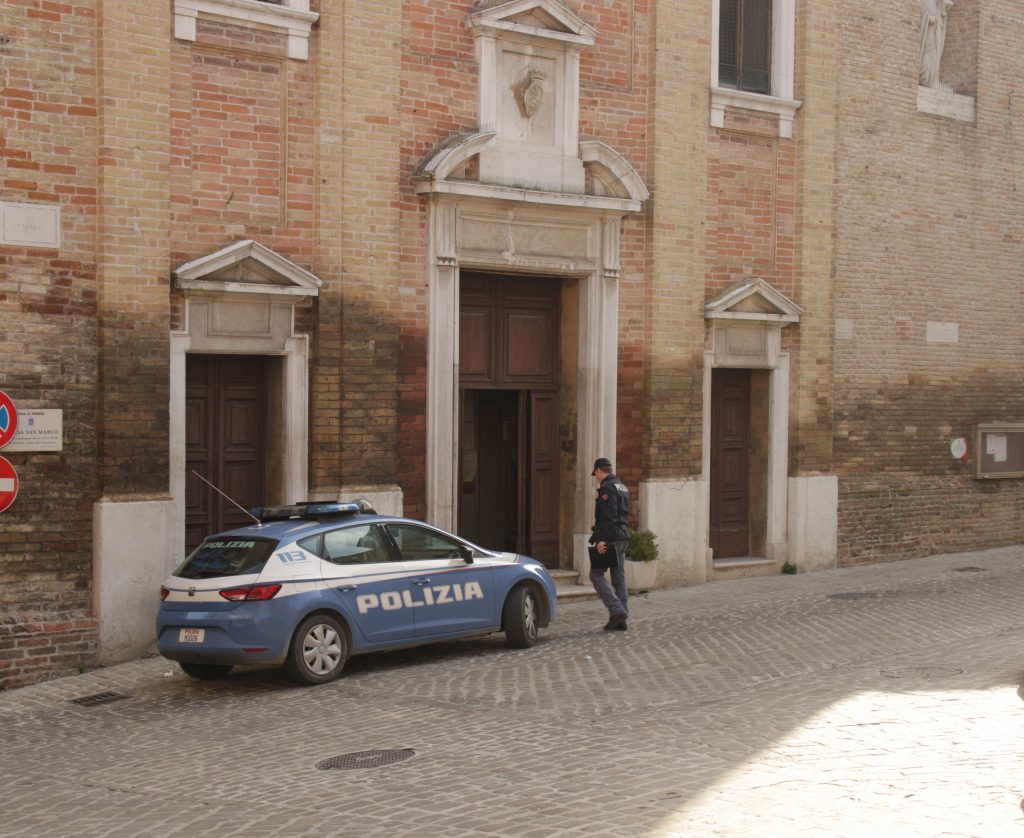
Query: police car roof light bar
[311, 509]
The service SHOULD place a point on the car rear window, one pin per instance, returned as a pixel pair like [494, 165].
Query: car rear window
[226, 557]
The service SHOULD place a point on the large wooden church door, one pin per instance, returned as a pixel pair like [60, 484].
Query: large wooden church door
[225, 434]
[508, 355]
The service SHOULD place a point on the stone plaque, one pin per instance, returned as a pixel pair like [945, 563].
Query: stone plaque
[38, 430]
[30, 225]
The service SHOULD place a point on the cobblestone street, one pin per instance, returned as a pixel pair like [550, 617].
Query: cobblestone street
[881, 700]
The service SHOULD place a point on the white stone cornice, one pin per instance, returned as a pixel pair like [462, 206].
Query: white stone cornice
[474, 189]
[561, 23]
[247, 267]
[726, 97]
[291, 17]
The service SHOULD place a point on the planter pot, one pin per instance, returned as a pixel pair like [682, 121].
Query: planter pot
[641, 576]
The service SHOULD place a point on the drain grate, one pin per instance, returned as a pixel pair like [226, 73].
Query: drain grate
[922, 672]
[970, 569]
[855, 595]
[96, 699]
[365, 759]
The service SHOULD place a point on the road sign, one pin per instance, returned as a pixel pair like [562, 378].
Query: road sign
[8, 483]
[8, 419]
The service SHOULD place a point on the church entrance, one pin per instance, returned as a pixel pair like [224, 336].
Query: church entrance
[508, 386]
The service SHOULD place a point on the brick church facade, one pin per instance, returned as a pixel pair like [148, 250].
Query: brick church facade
[765, 255]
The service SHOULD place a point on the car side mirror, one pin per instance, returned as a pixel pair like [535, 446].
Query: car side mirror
[467, 554]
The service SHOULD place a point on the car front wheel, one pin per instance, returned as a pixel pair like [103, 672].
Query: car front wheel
[205, 671]
[318, 651]
[519, 618]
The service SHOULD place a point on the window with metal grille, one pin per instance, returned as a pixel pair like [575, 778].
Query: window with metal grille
[745, 45]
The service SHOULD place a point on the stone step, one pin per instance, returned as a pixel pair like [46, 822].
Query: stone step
[568, 587]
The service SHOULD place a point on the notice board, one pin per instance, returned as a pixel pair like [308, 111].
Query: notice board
[999, 450]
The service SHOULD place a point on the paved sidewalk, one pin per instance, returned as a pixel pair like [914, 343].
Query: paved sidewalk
[875, 701]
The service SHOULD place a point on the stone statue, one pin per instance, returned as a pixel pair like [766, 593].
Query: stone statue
[933, 39]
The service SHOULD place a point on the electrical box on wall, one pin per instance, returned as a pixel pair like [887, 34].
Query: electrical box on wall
[999, 450]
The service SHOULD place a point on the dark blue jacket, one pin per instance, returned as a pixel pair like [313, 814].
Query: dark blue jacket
[611, 511]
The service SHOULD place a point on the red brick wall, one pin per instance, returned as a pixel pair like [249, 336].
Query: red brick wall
[48, 307]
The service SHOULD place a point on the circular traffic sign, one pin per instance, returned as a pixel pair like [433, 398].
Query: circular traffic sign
[8, 483]
[8, 419]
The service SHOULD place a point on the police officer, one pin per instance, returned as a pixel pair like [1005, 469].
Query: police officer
[611, 512]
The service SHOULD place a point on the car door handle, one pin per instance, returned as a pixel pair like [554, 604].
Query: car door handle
[422, 581]
[346, 588]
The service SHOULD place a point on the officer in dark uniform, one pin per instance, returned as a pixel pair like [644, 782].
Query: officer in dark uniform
[611, 513]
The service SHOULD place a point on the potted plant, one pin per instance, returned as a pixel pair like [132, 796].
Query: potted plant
[641, 560]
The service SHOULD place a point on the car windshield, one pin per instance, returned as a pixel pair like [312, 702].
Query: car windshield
[226, 557]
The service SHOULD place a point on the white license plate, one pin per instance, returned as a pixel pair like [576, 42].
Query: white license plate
[191, 635]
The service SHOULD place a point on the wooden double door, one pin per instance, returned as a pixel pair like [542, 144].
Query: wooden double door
[225, 441]
[509, 416]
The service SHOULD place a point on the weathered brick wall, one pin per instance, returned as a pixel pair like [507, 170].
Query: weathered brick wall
[929, 231]
[48, 306]
[677, 154]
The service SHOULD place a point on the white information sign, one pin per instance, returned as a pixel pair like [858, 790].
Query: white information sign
[30, 225]
[995, 446]
[38, 430]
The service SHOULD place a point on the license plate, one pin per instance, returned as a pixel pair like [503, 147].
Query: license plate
[191, 635]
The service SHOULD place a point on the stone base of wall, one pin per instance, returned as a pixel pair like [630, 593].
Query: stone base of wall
[39, 647]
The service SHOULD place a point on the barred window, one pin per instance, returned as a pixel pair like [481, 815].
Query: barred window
[745, 45]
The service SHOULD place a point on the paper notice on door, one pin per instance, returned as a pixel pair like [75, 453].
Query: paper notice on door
[995, 447]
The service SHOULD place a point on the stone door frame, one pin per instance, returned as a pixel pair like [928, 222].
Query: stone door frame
[506, 237]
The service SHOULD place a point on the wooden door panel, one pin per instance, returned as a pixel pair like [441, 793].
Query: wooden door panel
[543, 487]
[730, 463]
[476, 345]
[528, 354]
[225, 405]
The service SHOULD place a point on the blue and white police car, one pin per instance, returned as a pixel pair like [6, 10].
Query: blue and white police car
[313, 583]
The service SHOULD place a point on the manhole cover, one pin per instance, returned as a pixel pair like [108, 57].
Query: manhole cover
[97, 699]
[970, 569]
[860, 595]
[922, 672]
[365, 759]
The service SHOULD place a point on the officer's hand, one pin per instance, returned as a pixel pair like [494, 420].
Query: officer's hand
[602, 548]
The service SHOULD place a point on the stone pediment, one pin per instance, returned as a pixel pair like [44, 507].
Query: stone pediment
[545, 19]
[247, 267]
[753, 299]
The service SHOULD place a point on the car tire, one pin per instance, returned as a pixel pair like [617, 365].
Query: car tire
[520, 618]
[318, 650]
[205, 671]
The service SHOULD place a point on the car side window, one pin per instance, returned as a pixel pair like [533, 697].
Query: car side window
[421, 544]
[355, 545]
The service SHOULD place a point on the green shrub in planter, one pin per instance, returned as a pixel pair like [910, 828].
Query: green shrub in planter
[643, 546]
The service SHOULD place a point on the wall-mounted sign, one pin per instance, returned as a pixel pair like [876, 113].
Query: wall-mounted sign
[8, 419]
[30, 225]
[39, 430]
[958, 448]
[8, 484]
[999, 450]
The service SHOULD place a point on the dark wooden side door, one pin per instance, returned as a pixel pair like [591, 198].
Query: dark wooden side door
[508, 342]
[730, 463]
[225, 433]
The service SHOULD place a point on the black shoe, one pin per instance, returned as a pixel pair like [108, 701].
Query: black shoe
[617, 622]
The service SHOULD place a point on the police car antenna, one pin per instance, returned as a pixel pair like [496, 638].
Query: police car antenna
[259, 523]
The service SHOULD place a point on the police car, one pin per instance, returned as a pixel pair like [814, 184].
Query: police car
[311, 584]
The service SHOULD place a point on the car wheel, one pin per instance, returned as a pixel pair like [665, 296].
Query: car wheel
[205, 671]
[519, 618]
[318, 651]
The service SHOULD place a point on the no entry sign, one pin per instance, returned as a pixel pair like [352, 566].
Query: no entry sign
[8, 419]
[8, 483]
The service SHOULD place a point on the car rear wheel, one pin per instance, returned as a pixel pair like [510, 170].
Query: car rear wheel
[519, 618]
[318, 651]
[205, 671]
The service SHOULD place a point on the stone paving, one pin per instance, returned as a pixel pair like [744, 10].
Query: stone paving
[882, 700]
